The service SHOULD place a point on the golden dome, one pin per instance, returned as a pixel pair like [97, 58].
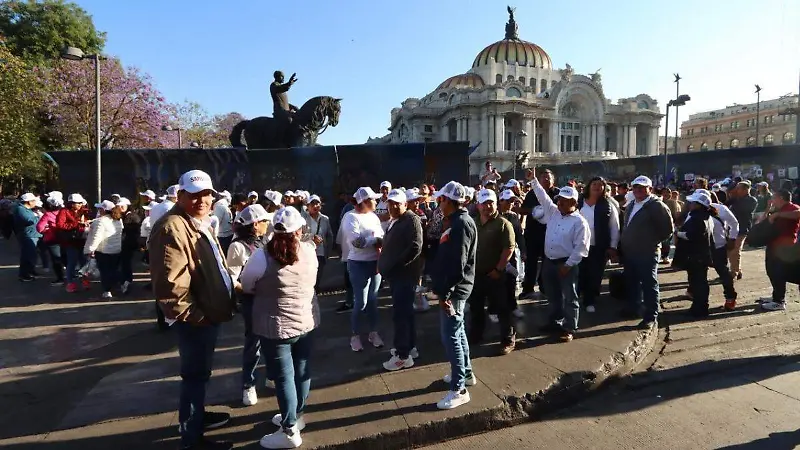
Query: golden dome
[470, 80]
[513, 50]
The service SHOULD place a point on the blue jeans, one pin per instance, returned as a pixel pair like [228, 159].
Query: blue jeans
[366, 281]
[126, 264]
[54, 250]
[108, 265]
[251, 352]
[405, 331]
[562, 294]
[196, 345]
[641, 278]
[27, 256]
[287, 365]
[454, 338]
[75, 260]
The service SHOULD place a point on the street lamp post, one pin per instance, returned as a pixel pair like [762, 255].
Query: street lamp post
[76, 54]
[179, 130]
[758, 113]
[677, 122]
[520, 135]
[680, 101]
[666, 144]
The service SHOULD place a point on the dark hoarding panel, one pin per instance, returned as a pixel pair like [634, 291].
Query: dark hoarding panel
[446, 161]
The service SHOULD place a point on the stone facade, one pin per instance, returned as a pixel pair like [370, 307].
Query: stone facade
[735, 126]
[512, 105]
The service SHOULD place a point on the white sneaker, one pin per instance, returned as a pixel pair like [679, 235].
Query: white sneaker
[375, 339]
[395, 363]
[774, 306]
[590, 309]
[355, 344]
[249, 396]
[493, 318]
[282, 439]
[107, 295]
[414, 353]
[469, 381]
[269, 383]
[300, 424]
[453, 399]
[518, 313]
[125, 286]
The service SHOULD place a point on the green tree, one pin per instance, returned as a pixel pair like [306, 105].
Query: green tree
[37, 31]
[20, 153]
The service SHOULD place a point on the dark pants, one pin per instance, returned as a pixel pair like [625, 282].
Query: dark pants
[405, 331]
[511, 291]
[196, 345]
[697, 274]
[251, 352]
[27, 256]
[225, 243]
[108, 265]
[75, 261]
[287, 364]
[590, 276]
[562, 294]
[720, 258]
[487, 290]
[776, 271]
[641, 279]
[54, 250]
[321, 260]
[431, 248]
[126, 264]
[535, 251]
[44, 254]
[348, 287]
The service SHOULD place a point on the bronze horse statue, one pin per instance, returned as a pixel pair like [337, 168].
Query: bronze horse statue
[265, 132]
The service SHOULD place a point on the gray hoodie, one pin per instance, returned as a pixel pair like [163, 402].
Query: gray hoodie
[642, 234]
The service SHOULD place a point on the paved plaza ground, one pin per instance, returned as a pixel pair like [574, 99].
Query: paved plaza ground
[78, 372]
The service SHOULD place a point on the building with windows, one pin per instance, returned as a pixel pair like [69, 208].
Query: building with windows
[735, 126]
[514, 104]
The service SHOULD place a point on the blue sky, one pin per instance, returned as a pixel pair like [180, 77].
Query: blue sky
[375, 54]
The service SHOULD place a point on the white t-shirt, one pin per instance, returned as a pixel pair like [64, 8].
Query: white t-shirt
[366, 225]
[381, 209]
[159, 210]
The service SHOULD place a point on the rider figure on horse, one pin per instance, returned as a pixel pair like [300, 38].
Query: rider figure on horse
[282, 110]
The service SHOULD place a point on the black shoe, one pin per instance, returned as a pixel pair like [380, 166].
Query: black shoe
[213, 420]
[26, 279]
[207, 444]
[739, 276]
[645, 324]
[344, 307]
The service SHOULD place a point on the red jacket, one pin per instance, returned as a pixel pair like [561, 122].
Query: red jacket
[68, 220]
[47, 227]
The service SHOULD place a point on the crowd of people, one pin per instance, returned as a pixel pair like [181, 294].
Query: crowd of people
[474, 251]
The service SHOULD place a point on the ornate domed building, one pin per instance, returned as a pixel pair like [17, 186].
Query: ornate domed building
[513, 103]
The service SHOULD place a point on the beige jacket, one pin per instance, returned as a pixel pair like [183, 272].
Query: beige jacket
[187, 281]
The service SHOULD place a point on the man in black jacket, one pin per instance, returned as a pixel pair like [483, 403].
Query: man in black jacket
[743, 205]
[132, 225]
[534, 232]
[400, 263]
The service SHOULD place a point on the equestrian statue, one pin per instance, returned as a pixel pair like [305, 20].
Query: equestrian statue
[288, 126]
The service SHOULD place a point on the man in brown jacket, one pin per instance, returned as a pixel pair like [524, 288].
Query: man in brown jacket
[195, 293]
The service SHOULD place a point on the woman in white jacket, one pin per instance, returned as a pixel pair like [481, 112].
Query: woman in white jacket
[104, 244]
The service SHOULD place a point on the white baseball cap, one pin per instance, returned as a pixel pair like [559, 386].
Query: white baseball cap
[470, 192]
[512, 183]
[396, 195]
[507, 195]
[226, 195]
[28, 197]
[115, 195]
[568, 192]
[452, 190]
[55, 201]
[76, 198]
[486, 195]
[700, 197]
[302, 194]
[313, 198]
[289, 194]
[386, 184]
[172, 191]
[55, 194]
[252, 214]
[288, 220]
[38, 203]
[148, 193]
[642, 180]
[364, 193]
[252, 194]
[106, 205]
[122, 201]
[195, 181]
[273, 196]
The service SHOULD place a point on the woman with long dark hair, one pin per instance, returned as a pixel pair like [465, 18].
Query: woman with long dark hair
[281, 279]
[695, 237]
[600, 212]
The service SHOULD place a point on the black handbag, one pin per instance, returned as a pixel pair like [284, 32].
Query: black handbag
[762, 233]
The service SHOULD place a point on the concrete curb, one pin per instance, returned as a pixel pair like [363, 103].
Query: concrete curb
[564, 391]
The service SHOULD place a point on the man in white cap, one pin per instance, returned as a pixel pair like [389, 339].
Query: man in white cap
[566, 243]
[24, 222]
[162, 208]
[222, 211]
[646, 223]
[382, 210]
[132, 224]
[318, 227]
[148, 197]
[535, 230]
[194, 290]
[252, 197]
[401, 263]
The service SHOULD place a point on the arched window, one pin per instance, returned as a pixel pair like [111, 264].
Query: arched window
[769, 139]
[522, 80]
[690, 148]
[703, 147]
[513, 92]
[734, 143]
[533, 83]
[510, 78]
[451, 99]
[641, 104]
[751, 141]
[452, 131]
[498, 78]
[543, 86]
[788, 137]
[718, 145]
[443, 95]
